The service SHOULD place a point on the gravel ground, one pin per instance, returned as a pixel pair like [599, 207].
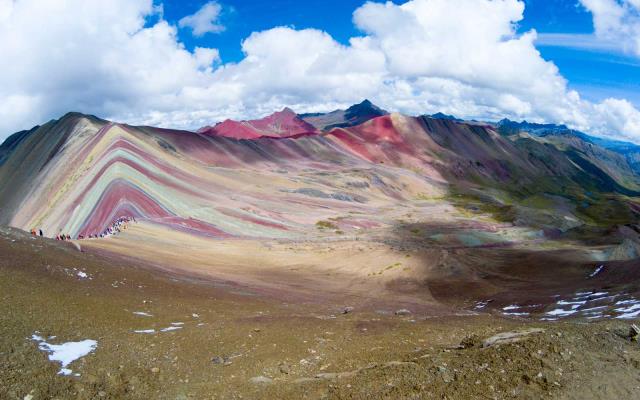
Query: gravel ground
[226, 342]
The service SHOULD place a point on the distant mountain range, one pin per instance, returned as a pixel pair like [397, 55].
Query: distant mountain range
[352, 116]
[283, 124]
[277, 176]
[288, 124]
[631, 151]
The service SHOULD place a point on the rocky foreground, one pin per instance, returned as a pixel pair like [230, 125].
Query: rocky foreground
[170, 336]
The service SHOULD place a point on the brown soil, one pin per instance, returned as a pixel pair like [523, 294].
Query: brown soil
[239, 341]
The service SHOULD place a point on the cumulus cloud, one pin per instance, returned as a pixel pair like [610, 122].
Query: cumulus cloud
[616, 21]
[618, 116]
[105, 58]
[205, 20]
[92, 56]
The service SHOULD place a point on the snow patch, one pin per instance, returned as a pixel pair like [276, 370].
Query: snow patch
[573, 304]
[511, 307]
[560, 312]
[65, 353]
[516, 314]
[630, 301]
[142, 314]
[171, 328]
[596, 272]
[632, 311]
[480, 305]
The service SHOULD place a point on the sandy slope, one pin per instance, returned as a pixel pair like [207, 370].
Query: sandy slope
[343, 269]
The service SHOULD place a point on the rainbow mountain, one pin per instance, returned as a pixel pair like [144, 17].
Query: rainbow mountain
[287, 174]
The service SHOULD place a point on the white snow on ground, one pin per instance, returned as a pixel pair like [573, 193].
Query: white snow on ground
[596, 272]
[593, 309]
[171, 328]
[632, 311]
[511, 307]
[630, 301]
[509, 311]
[82, 275]
[590, 296]
[598, 305]
[142, 313]
[516, 310]
[560, 312]
[481, 304]
[588, 305]
[594, 312]
[630, 315]
[573, 304]
[65, 353]
[516, 314]
[174, 327]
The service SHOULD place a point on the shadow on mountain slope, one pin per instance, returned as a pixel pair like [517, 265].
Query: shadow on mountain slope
[506, 273]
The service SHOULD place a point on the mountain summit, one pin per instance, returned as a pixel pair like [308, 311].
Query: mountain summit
[282, 124]
[352, 116]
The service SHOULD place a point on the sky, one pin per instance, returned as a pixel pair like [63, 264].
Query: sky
[597, 75]
[187, 64]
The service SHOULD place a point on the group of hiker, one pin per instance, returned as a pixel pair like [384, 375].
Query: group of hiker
[60, 236]
[116, 227]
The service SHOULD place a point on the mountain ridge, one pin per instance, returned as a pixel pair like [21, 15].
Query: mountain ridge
[629, 150]
[78, 173]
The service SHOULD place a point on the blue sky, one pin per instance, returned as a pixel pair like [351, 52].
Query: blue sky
[242, 17]
[596, 75]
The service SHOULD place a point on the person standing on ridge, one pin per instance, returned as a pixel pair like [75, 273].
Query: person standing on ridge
[41, 233]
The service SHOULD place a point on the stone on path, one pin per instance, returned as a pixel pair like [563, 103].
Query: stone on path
[510, 337]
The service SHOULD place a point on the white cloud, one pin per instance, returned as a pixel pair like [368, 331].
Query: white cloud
[616, 26]
[619, 115]
[205, 20]
[616, 22]
[101, 57]
[6, 6]
[91, 56]
[583, 41]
